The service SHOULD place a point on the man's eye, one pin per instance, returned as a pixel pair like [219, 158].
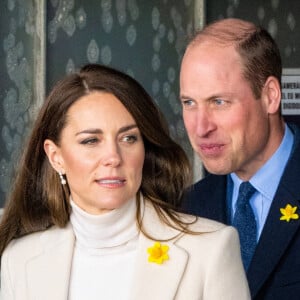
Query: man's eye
[187, 102]
[219, 101]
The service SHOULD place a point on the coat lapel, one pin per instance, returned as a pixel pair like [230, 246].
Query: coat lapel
[48, 272]
[158, 281]
[277, 234]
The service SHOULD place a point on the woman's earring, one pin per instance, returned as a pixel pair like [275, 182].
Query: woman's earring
[62, 179]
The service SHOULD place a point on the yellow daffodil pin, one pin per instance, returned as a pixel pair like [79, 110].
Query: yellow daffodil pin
[158, 253]
[288, 213]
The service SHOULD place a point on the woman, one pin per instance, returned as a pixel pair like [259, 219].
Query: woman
[92, 211]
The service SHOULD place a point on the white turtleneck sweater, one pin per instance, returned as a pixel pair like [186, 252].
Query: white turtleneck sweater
[104, 254]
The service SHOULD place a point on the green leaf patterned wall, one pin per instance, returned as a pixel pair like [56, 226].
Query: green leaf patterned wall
[145, 39]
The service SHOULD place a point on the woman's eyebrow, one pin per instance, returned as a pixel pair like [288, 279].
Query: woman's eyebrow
[99, 131]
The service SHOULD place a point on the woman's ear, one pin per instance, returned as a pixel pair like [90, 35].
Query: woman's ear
[272, 95]
[54, 155]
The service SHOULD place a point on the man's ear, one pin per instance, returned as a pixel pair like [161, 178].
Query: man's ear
[54, 155]
[271, 94]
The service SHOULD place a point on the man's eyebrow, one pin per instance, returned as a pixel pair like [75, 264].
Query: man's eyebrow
[184, 97]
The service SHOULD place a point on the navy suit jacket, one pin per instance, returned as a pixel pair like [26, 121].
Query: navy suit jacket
[274, 272]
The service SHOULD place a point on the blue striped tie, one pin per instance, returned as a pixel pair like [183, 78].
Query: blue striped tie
[244, 221]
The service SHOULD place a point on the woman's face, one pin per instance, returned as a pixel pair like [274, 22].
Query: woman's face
[101, 153]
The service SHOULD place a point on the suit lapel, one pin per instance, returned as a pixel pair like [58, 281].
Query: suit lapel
[274, 241]
[157, 281]
[277, 234]
[48, 272]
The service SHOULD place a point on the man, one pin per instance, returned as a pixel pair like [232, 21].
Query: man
[230, 92]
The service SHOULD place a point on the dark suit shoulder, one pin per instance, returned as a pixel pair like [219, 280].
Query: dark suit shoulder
[207, 198]
[208, 182]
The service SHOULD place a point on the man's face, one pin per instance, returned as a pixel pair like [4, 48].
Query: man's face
[227, 126]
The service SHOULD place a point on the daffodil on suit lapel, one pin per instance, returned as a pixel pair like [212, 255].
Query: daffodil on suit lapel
[289, 213]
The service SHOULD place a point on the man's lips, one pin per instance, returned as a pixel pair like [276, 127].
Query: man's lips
[211, 149]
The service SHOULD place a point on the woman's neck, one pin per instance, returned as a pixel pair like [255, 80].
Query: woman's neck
[107, 230]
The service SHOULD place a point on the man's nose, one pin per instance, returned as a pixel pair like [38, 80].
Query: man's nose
[204, 123]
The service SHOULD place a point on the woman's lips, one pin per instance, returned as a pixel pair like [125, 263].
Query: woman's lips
[111, 182]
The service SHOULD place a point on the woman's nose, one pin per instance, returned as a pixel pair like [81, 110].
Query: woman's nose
[112, 156]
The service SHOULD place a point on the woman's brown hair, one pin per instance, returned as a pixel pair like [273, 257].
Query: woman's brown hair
[38, 200]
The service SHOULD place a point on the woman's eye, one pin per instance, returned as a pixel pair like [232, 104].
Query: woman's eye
[130, 139]
[89, 141]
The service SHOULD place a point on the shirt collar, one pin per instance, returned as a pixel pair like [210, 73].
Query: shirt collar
[267, 178]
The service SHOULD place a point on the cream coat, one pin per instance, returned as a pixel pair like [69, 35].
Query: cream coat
[204, 266]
